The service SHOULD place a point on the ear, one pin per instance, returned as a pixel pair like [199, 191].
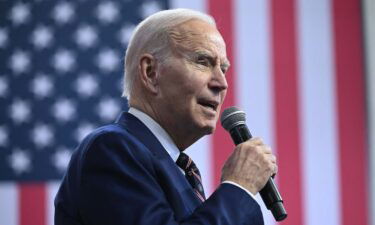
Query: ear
[148, 72]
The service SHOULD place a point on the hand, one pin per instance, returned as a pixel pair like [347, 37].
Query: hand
[250, 165]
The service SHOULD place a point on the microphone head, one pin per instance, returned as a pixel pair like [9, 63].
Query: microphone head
[232, 117]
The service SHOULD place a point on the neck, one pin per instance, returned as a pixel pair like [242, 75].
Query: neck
[181, 136]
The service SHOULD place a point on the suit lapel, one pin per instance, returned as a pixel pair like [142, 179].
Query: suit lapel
[134, 126]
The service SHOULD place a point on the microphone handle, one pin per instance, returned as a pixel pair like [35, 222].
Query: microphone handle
[269, 193]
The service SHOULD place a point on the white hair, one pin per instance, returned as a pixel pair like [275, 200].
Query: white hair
[152, 36]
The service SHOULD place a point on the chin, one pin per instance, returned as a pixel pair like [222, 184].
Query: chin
[209, 129]
[206, 126]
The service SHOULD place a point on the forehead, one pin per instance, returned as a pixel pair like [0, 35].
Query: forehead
[196, 35]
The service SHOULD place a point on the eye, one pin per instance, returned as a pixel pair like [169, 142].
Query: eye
[203, 60]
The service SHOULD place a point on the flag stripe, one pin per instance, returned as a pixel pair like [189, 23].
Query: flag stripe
[32, 203]
[286, 114]
[222, 11]
[351, 110]
[199, 5]
[253, 66]
[369, 24]
[318, 127]
[8, 204]
[52, 188]
[253, 72]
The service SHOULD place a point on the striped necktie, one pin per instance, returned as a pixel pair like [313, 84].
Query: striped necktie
[192, 174]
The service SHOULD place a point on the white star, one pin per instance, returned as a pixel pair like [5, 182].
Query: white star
[3, 37]
[20, 161]
[86, 36]
[108, 109]
[149, 8]
[19, 62]
[63, 60]
[19, 111]
[19, 13]
[86, 85]
[125, 34]
[63, 12]
[64, 110]
[4, 84]
[41, 37]
[42, 135]
[107, 12]
[61, 159]
[107, 60]
[41, 86]
[83, 130]
[3, 136]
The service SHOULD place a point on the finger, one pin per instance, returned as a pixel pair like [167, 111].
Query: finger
[276, 168]
[256, 141]
[267, 149]
[272, 158]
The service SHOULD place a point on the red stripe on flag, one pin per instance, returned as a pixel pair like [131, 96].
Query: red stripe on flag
[222, 145]
[285, 78]
[351, 110]
[32, 204]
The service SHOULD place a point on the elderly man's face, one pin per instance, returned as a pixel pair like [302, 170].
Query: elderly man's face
[193, 84]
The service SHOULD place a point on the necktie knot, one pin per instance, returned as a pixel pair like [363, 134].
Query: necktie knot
[192, 174]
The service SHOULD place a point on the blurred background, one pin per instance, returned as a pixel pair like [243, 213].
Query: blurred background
[302, 70]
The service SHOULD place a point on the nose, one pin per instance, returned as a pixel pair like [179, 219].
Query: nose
[218, 81]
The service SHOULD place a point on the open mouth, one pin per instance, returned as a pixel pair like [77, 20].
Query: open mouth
[209, 104]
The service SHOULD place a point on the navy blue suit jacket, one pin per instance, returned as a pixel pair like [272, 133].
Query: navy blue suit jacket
[121, 174]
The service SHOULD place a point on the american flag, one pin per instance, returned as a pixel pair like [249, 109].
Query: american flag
[297, 70]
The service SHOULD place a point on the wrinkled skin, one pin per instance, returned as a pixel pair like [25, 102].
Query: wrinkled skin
[185, 93]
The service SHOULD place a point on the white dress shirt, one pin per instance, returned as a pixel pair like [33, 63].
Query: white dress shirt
[166, 141]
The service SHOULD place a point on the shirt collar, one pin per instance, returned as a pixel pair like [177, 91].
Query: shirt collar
[160, 134]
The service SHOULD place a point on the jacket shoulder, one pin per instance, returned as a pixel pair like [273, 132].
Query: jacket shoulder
[112, 137]
[110, 143]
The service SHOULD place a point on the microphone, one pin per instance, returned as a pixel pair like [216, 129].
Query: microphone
[233, 120]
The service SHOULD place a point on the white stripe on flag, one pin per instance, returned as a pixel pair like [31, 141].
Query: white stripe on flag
[252, 43]
[8, 204]
[321, 187]
[52, 188]
[199, 5]
[369, 25]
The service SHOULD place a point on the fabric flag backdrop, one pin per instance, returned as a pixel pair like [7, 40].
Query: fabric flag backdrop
[298, 71]
[369, 23]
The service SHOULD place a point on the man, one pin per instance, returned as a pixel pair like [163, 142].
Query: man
[127, 172]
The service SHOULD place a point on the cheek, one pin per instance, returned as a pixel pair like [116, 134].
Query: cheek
[183, 83]
[192, 86]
